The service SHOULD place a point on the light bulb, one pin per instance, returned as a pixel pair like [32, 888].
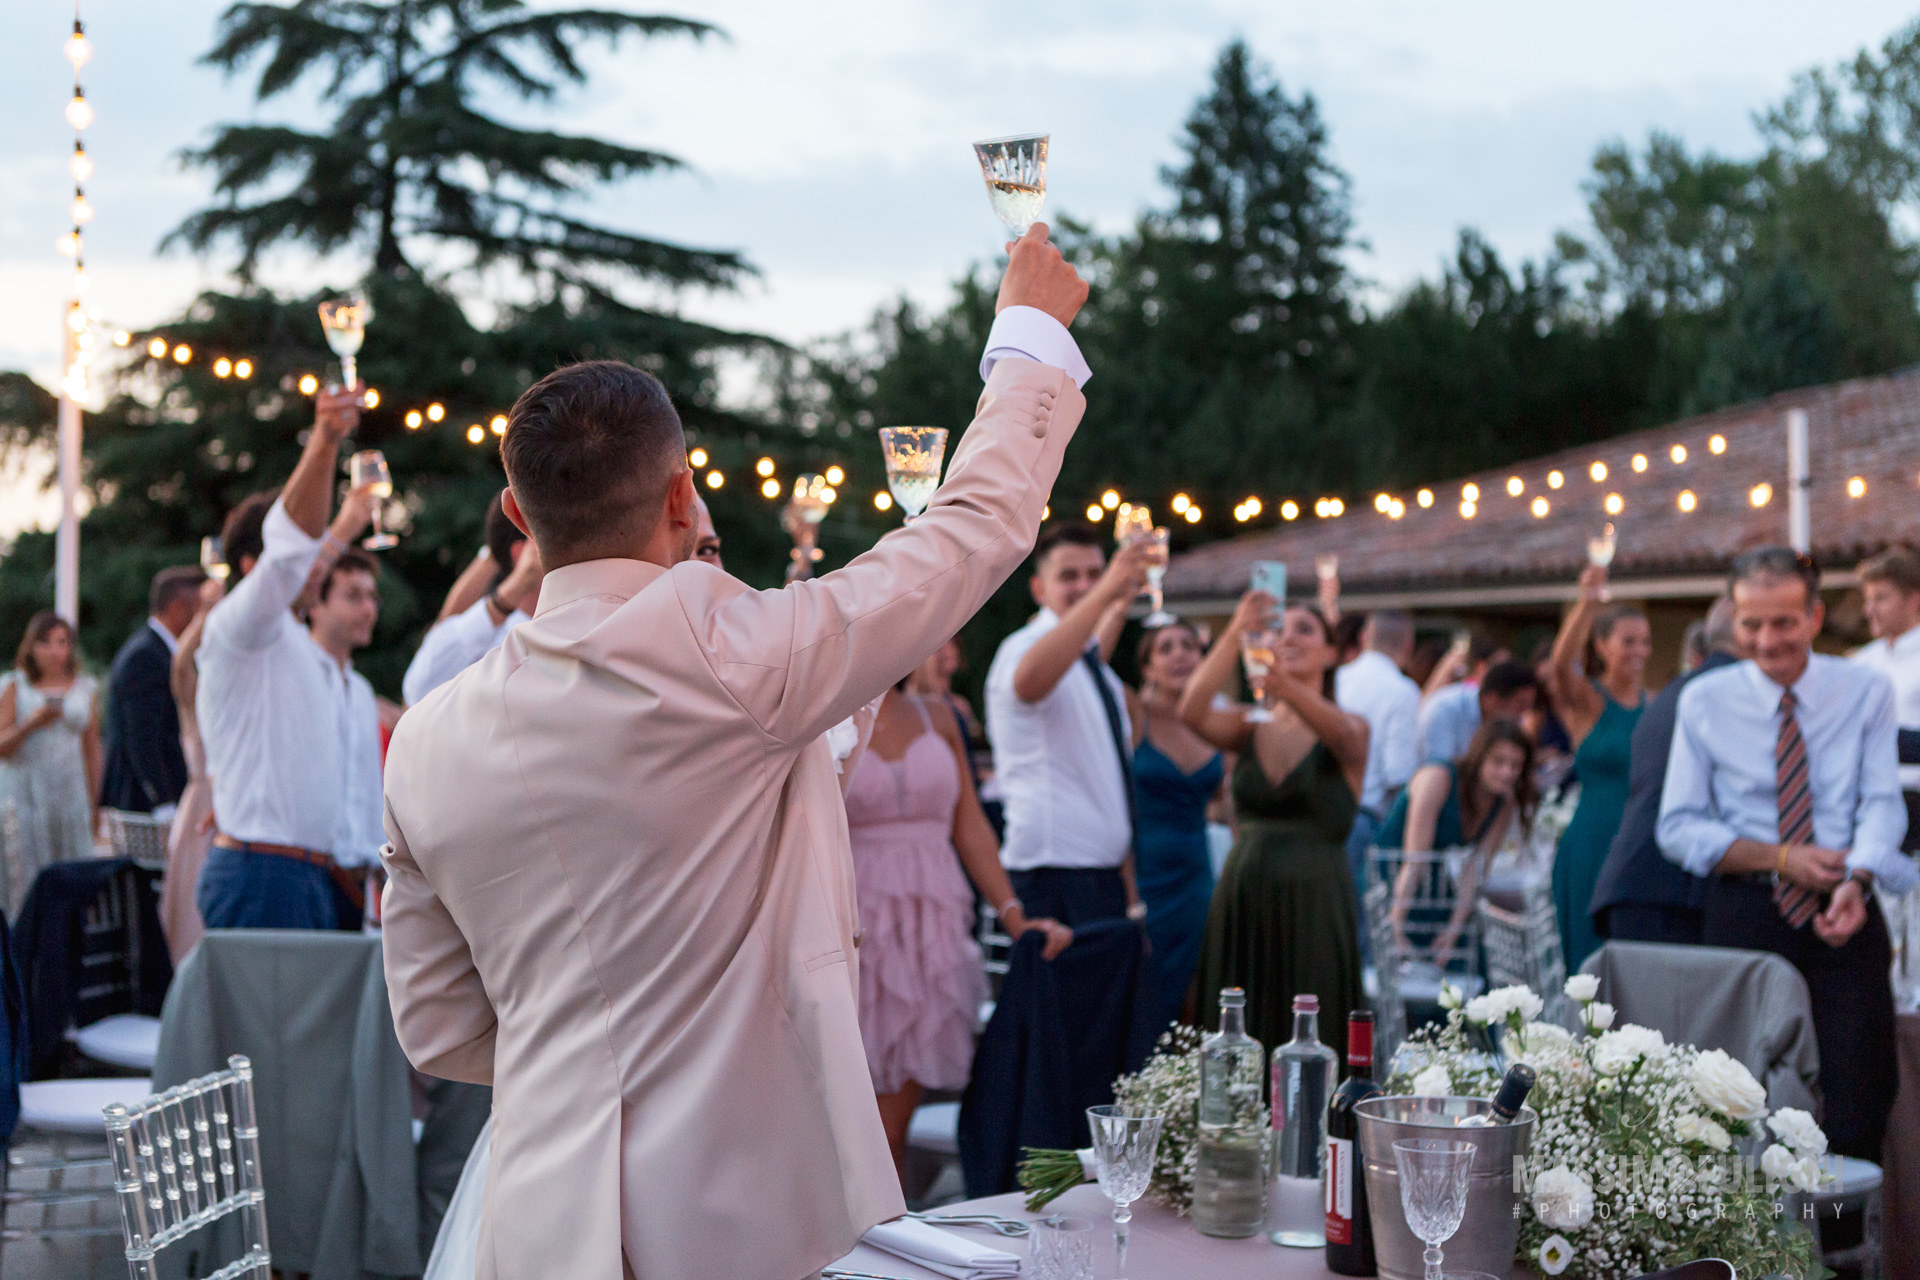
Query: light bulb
[475, 434]
[1555, 479]
[1253, 506]
[697, 458]
[1687, 500]
[82, 210]
[1639, 462]
[1424, 497]
[764, 467]
[1598, 471]
[370, 400]
[884, 502]
[78, 48]
[1110, 499]
[80, 111]
[1095, 511]
[1678, 453]
[81, 164]
[770, 488]
[835, 475]
[1539, 508]
[1381, 501]
[414, 419]
[1516, 486]
[182, 353]
[1615, 504]
[435, 412]
[1856, 487]
[1469, 493]
[715, 479]
[1180, 503]
[308, 384]
[1193, 515]
[68, 245]
[222, 367]
[1718, 444]
[1289, 510]
[157, 348]
[243, 368]
[499, 424]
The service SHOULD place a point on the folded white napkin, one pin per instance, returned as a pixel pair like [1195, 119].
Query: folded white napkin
[936, 1250]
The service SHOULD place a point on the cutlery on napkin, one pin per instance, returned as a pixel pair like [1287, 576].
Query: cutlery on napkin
[936, 1250]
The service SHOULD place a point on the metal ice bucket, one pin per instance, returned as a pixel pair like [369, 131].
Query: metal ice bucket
[1490, 1231]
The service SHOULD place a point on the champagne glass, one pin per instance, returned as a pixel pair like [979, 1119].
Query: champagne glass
[1326, 567]
[914, 455]
[1600, 553]
[369, 467]
[1257, 655]
[1123, 1149]
[213, 558]
[1433, 1190]
[1131, 522]
[801, 517]
[1016, 172]
[345, 321]
[1157, 539]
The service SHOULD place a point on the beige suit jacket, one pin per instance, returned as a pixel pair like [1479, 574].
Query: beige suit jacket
[621, 891]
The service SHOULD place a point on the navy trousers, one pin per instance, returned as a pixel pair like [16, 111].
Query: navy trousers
[263, 891]
[1072, 895]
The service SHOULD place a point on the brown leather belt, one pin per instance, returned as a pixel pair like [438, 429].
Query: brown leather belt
[353, 886]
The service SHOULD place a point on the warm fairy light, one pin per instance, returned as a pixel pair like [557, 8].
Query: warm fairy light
[1466, 510]
[414, 419]
[1320, 508]
[370, 399]
[1515, 486]
[80, 164]
[1598, 471]
[498, 424]
[1193, 515]
[1678, 453]
[835, 474]
[1469, 493]
[1253, 506]
[1540, 508]
[1240, 513]
[769, 488]
[764, 467]
[1717, 444]
[1095, 511]
[68, 245]
[697, 457]
[715, 479]
[1615, 504]
[1760, 495]
[436, 411]
[1555, 479]
[78, 48]
[121, 337]
[1381, 501]
[1335, 507]
[308, 384]
[476, 433]
[1289, 510]
[1856, 488]
[1110, 499]
[182, 353]
[1180, 503]
[1639, 462]
[883, 501]
[1397, 510]
[222, 367]
[79, 111]
[1424, 497]
[157, 348]
[1687, 501]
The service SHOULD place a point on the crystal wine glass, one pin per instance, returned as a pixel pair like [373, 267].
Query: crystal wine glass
[1600, 552]
[1433, 1190]
[213, 557]
[1157, 539]
[369, 468]
[1016, 172]
[1123, 1149]
[345, 321]
[1257, 655]
[1131, 522]
[1062, 1249]
[812, 495]
[914, 455]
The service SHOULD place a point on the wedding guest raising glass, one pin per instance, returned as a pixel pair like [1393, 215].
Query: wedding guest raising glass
[1123, 1149]
[1257, 656]
[1433, 1190]
[1157, 539]
[1016, 172]
[369, 468]
[914, 455]
[345, 321]
[213, 558]
[1600, 552]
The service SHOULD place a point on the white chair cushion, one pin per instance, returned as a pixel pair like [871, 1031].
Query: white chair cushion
[123, 1040]
[935, 1127]
[75, 1106]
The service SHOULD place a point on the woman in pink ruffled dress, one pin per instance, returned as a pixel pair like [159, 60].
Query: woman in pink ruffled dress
[911, 808]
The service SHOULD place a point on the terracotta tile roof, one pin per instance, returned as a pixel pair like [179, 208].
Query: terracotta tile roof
[1867, 428]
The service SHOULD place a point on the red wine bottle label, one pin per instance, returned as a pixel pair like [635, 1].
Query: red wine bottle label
[1339, 1197]
[1360, 1043]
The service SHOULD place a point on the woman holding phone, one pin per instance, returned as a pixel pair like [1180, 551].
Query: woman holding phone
[50, 757]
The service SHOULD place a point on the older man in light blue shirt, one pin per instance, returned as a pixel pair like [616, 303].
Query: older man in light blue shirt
[1783, 787]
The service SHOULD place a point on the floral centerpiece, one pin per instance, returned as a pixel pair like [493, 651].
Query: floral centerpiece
[1637, 1160]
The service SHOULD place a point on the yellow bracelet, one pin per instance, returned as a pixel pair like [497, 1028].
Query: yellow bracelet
[1781, 869]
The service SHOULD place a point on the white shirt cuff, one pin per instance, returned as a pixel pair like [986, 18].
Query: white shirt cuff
[1892, 871]
[1029, 333]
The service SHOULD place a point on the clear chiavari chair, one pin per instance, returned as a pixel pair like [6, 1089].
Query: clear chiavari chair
[186, 1158]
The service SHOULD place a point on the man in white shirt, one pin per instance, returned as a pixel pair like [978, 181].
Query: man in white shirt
[346, 605]
[1375, 687]
[1057, 719]
[267, 707]
[1451, 714]
[1890, 583]
[467, 632]
[1781, 786]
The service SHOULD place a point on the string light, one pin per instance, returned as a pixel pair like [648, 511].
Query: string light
[1467, 509]
[1717, 445]
[1856, 488]
[1289, 510]
[1639, 462]
[769, 488]
[883, 501]
[243, 368]
[498, 424]
[1515, 486]
[182, 353]
[764, 467]
[1555, 479]
[1193, 515]
[414, 419]
[222, 367]
[1598, 471]
[697, 457]
[1424, 498]
[74, 384]
[308, 384]
[715, 479]
[1180, 503]
[1095, 511]
[157, 348]
[1686, 500]
[1760, 495]
[1382, 501]
[1469, 493]
[436, 411]
[1110, 499]
[1615, 504]
[1678, 453]
[835, 475]
[475, 434]
[1540, 508]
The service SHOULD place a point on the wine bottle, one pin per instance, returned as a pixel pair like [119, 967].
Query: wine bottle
[1513, 1093]
[1349, 1224]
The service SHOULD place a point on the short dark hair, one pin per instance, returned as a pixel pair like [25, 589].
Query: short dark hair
[352, 560]
[1481, 647]
[503, 535]
[1778, 563]
[173, 583]
[1065, 535]
[243, 535]
[1899, 566]
[590, 451]
[1391, 627]
[1504, 679]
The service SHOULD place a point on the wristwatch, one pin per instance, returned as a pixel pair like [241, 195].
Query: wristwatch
[498, 605]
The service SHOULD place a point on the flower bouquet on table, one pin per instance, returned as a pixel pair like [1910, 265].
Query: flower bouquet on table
[1167, 1086]
[1637, 1161]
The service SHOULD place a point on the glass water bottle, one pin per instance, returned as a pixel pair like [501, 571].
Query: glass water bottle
[1303, 1071]
[1229, 1178]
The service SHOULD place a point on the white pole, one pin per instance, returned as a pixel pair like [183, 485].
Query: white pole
[66, 543]
[1799, 532]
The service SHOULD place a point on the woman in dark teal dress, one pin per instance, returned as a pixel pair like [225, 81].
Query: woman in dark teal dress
[1599, 700]
[1175, 773]
[1283, 919]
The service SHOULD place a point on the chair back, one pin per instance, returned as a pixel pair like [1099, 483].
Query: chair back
[1523, 948]
[995, 945]
[139, 836]
[1420, 891]
[185, 1159]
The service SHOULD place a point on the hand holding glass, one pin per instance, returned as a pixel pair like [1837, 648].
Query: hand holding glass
[1123, 1149]
[213, 558]
[345, 322]
[368, 469]
[1015, 169]
[1433, 1190]
[913, 455]
[1600, 553]
[1257, 654]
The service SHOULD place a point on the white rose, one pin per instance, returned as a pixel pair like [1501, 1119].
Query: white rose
[1434, 1082]
[1538, 1043]
[1693, 1127]
[1616, 1051]
[1583, 987]
[1797, 1129]
[1563, 1199]
[1449, 995]
[1723, 1083]
[1498, 1003]
[1598, 1016]
[1777, 1163]
[1555, 1254]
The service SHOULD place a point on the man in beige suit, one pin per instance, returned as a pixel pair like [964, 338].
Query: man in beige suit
[619, 887]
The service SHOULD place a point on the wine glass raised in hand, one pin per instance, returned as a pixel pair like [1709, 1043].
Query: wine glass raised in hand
[801, 517]
[1433, 1190]
[368, 469]
[345, 321]
[1124, 1145]
[913, 455]
[213, 558]
[1258, 650]
[1016, 172]
[1157, 539]
[1600, 552]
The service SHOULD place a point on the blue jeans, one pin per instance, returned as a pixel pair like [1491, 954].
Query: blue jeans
[263, 891]
[1359, 840]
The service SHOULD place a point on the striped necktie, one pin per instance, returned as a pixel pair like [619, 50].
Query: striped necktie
[1795, 798]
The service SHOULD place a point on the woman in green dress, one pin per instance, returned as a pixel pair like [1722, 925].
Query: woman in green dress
[1599, 700]
[1282, 919]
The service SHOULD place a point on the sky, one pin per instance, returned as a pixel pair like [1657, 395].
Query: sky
[828, 141]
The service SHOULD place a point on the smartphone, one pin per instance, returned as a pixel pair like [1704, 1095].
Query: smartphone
[1270, 576]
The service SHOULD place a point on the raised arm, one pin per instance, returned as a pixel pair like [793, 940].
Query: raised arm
[1101, 612]
[184, 678]
[1344, 733]
[472, 585]
[1228, 730]
[1574, 696]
